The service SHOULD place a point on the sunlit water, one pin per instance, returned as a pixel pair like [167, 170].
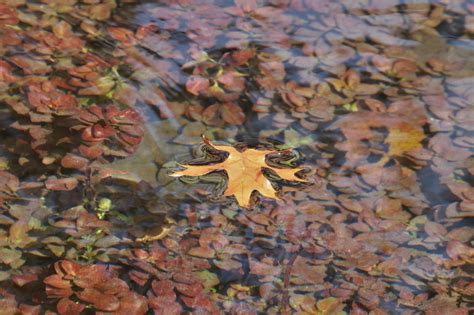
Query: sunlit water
[374, 98]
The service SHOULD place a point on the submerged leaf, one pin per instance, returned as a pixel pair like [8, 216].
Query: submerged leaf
[404, 140]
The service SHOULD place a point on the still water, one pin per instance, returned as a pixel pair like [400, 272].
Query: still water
[369, 103]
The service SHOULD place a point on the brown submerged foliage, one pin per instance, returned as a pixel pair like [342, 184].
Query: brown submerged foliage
[374, 96]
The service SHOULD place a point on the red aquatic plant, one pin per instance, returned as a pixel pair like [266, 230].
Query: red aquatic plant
[109, 125]
[94, 286]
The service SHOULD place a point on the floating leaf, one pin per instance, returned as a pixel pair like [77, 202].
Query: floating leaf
[245, 173]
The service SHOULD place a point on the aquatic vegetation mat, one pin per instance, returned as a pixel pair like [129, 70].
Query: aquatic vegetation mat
[335, 176]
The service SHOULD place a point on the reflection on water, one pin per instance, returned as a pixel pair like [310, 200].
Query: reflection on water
[101, 99]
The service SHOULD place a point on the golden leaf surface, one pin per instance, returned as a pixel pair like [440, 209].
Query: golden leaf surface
[404, 140]
[245, 172]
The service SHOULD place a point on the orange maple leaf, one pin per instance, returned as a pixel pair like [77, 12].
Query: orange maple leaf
[245, 172]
